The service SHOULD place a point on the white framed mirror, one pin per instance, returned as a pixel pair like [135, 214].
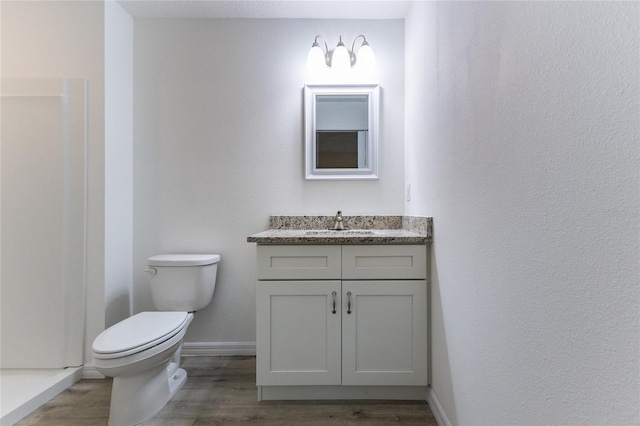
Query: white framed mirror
[341, 131]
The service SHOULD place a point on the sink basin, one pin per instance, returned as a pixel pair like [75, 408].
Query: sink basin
[333, 232]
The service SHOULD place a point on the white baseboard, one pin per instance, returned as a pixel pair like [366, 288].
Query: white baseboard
[436, 408]
[89, 372]
[218, 348]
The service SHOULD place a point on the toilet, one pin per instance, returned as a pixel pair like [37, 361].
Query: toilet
[142, 352]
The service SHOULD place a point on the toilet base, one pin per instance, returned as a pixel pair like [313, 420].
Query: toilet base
[138, 398]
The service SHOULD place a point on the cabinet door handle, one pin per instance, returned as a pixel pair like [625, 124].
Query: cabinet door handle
[334, 294]
[349, 302]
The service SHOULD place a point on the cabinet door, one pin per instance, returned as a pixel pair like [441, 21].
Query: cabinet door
[298, 333]
[384, 337]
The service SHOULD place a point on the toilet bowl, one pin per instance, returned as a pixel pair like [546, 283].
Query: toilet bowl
[142, 352]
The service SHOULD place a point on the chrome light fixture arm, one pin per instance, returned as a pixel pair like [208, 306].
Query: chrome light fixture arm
[353, 45]
[326, 48]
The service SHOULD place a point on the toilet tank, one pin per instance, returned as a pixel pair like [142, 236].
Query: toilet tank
[182, 282]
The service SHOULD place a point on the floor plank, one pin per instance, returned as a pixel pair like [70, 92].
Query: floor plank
[222, 391]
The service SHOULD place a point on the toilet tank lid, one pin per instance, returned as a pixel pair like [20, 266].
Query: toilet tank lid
[183, 259]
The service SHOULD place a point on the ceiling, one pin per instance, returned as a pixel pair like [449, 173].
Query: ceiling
[294, 9]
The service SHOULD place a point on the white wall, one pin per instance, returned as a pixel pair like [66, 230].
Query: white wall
[218, 107]
[52, 39]
[118, 38]
[522, 142]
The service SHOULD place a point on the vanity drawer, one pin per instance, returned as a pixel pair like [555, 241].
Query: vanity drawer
[384, 262]
[297, 262]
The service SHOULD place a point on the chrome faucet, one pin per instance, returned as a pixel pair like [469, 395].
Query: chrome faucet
[339, 226]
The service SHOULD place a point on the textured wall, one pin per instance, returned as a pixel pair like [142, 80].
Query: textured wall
[522, 142]
[219, 146]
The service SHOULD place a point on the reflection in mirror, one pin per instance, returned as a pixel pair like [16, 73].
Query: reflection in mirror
[341, 131]
[342, 123]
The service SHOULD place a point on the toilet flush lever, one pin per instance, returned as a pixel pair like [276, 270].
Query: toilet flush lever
[151, 271]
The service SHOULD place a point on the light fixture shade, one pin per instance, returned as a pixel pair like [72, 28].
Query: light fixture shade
[366, 59]
[341, 60]
[316, 60]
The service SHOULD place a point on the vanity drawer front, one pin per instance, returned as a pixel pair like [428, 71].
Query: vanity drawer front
[384, 262]
[296, 262]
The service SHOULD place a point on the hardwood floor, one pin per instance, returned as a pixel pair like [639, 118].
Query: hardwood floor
[222, 391]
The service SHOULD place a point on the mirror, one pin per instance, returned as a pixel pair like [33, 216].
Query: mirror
[341, 128]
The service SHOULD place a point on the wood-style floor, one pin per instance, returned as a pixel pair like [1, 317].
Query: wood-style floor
[222, 391]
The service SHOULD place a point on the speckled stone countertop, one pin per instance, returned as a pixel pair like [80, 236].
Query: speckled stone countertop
[360, 230]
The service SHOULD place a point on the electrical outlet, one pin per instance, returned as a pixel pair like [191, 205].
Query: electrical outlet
[408, 192]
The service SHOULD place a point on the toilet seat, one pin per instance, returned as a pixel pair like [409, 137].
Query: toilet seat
[138, 333]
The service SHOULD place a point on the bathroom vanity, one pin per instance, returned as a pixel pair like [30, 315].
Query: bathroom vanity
[342, 314]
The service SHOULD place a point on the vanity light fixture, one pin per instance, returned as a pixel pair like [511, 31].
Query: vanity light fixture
[341, 60]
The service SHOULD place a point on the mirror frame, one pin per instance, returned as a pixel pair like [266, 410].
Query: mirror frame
[311, 91]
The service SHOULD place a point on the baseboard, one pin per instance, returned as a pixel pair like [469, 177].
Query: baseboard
[436, 408]
[218, 348]
[89, 372]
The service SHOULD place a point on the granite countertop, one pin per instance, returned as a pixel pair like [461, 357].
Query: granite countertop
[361, 230]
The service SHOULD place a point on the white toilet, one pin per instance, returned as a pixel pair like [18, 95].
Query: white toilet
[142, 353]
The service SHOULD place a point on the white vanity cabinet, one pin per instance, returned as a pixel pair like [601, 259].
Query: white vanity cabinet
[341, 321]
